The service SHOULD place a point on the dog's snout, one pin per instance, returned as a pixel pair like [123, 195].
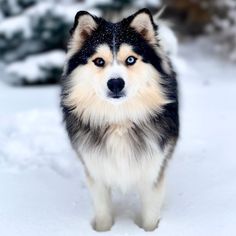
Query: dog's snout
[116, 85]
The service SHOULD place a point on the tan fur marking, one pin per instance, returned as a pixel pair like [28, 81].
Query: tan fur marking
[120, 129]
[104, 52]
[124, 52]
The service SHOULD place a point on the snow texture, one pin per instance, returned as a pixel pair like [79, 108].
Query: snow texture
[32, 31]
[42, 190]
[223, 26]
[16, 24]
[26, 39]
[145, 3]
[22, 22]
[37, 67]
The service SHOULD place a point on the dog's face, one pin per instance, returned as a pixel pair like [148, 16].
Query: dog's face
[114, 70]
[114, 76]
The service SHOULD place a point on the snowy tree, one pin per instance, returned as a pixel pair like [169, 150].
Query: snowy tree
[44, 67]
[115, 10]
[11, 7]
[32, 32]
[198, 17]
[223, 25]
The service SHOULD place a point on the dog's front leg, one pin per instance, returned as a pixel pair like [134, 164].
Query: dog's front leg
[152, 196]
[101, 198]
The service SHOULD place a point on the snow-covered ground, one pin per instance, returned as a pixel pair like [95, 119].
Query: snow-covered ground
[42, 190]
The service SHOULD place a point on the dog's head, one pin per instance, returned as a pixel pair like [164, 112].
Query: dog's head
[115, 71]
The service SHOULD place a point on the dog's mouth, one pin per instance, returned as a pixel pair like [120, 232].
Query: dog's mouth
[116, 95]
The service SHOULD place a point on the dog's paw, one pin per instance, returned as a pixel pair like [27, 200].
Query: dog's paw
[102, 224]
[150, 226]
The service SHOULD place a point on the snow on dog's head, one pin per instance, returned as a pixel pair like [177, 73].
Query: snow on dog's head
[114, 71]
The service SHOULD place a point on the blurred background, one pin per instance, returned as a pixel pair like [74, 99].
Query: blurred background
[33, 33]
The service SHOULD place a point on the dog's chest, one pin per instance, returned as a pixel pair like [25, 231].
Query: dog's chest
[120, 164]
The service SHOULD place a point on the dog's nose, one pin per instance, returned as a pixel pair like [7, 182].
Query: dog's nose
[116, 85]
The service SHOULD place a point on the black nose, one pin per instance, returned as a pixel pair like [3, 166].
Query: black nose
[116, 85]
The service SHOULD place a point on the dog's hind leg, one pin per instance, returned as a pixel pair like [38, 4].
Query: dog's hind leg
[152, 196]
[101, 198]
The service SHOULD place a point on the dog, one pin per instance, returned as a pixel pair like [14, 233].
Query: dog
[119, 100]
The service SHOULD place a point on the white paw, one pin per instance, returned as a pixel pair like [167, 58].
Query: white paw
[150, 225]
[102, 224]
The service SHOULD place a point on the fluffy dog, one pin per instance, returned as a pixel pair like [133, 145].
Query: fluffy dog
[120, 104]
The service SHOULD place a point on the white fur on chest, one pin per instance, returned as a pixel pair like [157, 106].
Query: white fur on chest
[120, 166]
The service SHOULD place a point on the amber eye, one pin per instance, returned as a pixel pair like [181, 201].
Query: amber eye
[130, 60]
[99, 62]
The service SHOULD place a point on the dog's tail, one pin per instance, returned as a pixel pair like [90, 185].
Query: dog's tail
[158, 15]
[166, 35]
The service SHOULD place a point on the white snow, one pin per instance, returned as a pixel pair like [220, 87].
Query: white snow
[32, 68]
[22, 23]
[145, 3]
[223, 27]
[42, 190]
[14, 25]
[64, 10]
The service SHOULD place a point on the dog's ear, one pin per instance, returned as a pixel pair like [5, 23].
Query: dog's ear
[84, 25]
[142, 22]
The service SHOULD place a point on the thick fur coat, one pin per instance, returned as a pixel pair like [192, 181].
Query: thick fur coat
[120, 104]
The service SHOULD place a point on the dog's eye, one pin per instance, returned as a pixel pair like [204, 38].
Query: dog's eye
[130, 60]
[99, 62]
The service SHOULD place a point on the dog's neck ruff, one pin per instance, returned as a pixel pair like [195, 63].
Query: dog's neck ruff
[106, 114]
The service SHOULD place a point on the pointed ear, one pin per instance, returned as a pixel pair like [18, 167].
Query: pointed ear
[84, 25]
[142, 22]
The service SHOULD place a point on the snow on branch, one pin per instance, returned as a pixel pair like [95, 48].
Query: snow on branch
[41, 68]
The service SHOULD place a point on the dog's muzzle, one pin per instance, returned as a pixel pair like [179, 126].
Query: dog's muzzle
[115, 87]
